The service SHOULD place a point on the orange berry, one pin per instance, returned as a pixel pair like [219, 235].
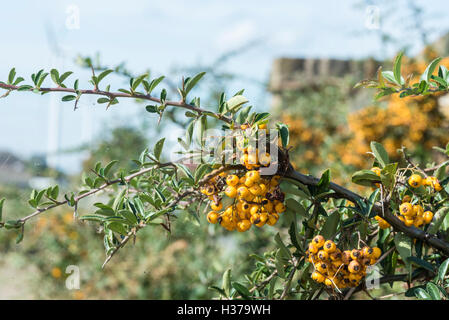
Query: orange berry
[415, 180]
[406, 209]
[428, 216]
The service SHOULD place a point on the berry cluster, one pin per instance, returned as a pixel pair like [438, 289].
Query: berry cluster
[255, 200]
[416, 181]
[410, 214]
[336, 268]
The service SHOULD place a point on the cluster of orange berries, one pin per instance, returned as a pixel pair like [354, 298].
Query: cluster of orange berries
[252, 157]
[336, 268]
[255, 200]
[409, 214]
[416, 181]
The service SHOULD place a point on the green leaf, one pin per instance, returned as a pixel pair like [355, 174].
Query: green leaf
[293, 232]
[158, 148]
[109, 166]
[433, 291]
[19, 237]
[152, 109]
[189, 132]
[387, 175]
[404, 247]
[69, 97]
[330, 226]
[380, 153]
[11, 75]
[426, 76]
[64, 76]
[397, 68]
[128, 215]
[241, 289]
[440, 173]
[236, 102]
[12, 224]
[279, 264]
[283, 132]
[443, 73]
[117, 227]
[389, 76]
[365, 177]
[102, 100]
[193, 81]
[2, 202]
[201, 170]
[323, 184]
[54, 74]
[219, 290]
[443, 269]
[118, 201]
[227, 282]
[296, 207]
[92, 217]
[421, 263]
[138, 81]
[102, 75]
[41, 79]
[282, 247]
[185, 170]
[438, 219]
[422, 294]
[154, 83]
[55, 192]
[201, 128]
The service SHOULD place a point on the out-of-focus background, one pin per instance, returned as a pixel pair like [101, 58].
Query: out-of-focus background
[297, 59]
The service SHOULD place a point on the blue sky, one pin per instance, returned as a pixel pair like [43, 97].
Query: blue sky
[163, 35]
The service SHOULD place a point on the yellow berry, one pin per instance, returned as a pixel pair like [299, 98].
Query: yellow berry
[376, 253]
[231, 191]
[415, 180]
[367, 252]
[406, 198]
[318, 241]
[243, 225]
[428, 216]
[355, 254]
[255, 190]
[216, 207]
[279, 207]
[212, 217]
[329, 246]
[323, 255]
[406, 209]
[312, 248]
[242, 192]
[354, 266]
[232, 180]
[318, 277]
[418, 222]
[254, 209]
[409, 221]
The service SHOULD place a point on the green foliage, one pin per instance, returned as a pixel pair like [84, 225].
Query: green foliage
[148, 196]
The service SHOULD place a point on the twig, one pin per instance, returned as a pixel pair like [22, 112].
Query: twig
[113, 95]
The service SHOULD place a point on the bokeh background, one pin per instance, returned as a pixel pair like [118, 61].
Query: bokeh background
[297, 59]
